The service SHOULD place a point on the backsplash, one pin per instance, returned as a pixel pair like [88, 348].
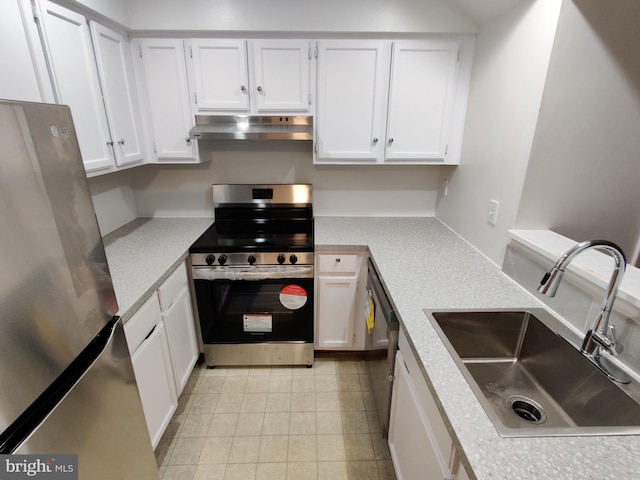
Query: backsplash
[113, 200]
[576, 302]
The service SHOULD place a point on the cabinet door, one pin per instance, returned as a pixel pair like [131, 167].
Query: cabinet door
[154, 376]
[27, 79]
[335, 322]
[181, 333]
[163, 73]
[411, 441]
[353, 80]
[281, 72]
[75, 77]
[123, 111]
[218, 75]
[461, 473]
[424, 78]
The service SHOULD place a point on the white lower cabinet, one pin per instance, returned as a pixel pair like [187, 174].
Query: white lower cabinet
[334, 324]
[419, 442]
[337, 290]
[413, 450]
[164, 349]
[177, 313]
[460, 472]
[149, 348]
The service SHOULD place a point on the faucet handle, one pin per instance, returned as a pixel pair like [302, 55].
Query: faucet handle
[593, 341]
[615, 348]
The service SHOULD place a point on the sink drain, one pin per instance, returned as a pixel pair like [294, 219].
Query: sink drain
[527, 409]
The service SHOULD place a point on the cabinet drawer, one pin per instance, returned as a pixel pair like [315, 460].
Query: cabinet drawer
[142, 322]
[427, 401]
[171, 286]
[338, 263]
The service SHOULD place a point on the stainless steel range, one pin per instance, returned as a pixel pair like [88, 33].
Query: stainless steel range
[253, 276]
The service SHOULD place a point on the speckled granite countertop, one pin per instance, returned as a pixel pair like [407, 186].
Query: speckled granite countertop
[143, 253]
[423, 265]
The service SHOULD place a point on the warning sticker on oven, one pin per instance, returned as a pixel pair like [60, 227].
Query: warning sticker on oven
[257, 322]
[293, 297]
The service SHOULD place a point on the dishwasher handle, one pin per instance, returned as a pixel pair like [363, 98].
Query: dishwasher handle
[381, 299]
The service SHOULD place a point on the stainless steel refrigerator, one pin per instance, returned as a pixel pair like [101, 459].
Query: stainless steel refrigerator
[66, 381]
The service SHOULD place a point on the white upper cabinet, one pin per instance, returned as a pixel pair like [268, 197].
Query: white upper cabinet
[75, 79]
[218, 75]
[249, 76]
[353, 79]
[123, 111]
[397, 102]
[91, 71]
[281, 75]
[424, 78]
[27, 78]
[161, 73]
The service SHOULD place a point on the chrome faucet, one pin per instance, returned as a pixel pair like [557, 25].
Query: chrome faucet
[600, 335]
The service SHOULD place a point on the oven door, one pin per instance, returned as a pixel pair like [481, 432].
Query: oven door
[255, 311]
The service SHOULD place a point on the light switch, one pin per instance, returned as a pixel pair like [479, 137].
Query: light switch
[492, 217]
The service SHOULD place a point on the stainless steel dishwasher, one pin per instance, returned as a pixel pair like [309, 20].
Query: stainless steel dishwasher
[381, 345]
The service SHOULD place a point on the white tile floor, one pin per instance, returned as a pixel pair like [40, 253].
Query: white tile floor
[272, 423]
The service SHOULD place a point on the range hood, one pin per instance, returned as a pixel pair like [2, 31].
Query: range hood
[238, 127]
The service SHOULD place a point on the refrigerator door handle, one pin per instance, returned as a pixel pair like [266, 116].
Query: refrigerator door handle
[20, 430]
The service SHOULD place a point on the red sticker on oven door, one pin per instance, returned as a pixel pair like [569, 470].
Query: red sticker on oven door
[293, 297]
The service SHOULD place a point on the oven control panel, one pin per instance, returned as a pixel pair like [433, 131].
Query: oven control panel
[250, 259]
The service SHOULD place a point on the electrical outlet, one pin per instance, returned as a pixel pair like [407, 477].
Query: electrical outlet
[445, 190]
[492, 217]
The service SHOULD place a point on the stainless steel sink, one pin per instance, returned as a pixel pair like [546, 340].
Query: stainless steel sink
[530, 380]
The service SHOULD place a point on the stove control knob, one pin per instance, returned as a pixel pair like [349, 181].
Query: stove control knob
[293, 259]
[281, 259]
[222, 259]
[251, 259]
[210, 259]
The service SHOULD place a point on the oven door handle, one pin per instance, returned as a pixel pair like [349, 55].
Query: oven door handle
[256, 273]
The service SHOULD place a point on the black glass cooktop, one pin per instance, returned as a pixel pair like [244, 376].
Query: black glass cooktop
[255, 239]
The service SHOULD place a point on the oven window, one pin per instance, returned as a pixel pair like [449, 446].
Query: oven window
[241, 311]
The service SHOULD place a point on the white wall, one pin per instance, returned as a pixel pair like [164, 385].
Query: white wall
[584, 173]
[113, 200]
[165, 191]
[511, 59]
[299, 15]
